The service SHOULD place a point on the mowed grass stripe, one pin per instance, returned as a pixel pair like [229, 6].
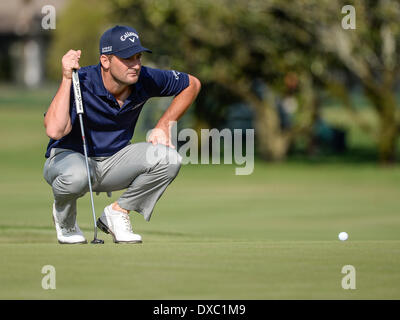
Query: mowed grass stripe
[211, 270]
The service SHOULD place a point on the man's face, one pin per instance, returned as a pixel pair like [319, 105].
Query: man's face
[126, 71]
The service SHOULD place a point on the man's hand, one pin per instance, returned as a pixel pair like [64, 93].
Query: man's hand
[70, 61]
[161, 134]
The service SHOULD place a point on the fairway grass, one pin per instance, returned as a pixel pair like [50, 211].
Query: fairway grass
[202, 270]
[213, 235]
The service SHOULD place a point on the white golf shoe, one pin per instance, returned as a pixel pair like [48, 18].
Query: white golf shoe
[72, 235]
[117, 224]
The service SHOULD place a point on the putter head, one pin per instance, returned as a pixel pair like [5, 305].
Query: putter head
[97, 241]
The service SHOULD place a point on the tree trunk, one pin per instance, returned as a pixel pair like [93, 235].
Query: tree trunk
[272, 143]
[387, 137]
[385, 104]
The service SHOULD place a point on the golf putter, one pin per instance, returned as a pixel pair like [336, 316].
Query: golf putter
[79, 111]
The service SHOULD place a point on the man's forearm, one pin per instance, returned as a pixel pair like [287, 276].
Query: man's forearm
[57, 120]
[180, 103]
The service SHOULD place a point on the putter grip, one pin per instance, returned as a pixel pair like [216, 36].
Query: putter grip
[77, 92]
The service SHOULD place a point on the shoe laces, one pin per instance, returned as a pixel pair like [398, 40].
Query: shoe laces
[127, 222]
[70, 230]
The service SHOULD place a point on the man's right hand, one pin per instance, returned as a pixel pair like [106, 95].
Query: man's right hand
[70, 61]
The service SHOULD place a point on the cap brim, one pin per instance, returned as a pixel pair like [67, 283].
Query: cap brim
[129, 52]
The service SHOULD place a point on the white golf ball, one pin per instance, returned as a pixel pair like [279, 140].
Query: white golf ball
[343, 236]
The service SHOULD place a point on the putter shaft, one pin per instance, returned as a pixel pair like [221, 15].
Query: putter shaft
[88, 174]
[79, 110]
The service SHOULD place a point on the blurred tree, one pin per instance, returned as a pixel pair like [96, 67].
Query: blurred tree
[369, 53]
[79, 27]
[274, 55]
[238, 45]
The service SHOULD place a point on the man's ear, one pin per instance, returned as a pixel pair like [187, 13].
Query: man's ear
[105, 61]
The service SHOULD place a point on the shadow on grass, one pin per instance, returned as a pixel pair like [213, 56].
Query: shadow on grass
[167, 233]
[352, 156]
[29, 228]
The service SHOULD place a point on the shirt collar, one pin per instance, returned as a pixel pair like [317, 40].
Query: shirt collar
[97, 83]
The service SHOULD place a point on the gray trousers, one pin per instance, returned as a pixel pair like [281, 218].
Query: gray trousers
[131, 168]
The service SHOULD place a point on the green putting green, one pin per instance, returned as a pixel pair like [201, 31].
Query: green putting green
[213, 235]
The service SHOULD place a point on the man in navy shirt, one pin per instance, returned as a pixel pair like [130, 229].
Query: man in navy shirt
[113, 94]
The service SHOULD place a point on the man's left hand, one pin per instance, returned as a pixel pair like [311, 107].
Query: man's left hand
[161, 134]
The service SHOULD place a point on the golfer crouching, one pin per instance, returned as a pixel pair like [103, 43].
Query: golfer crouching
[113, 93]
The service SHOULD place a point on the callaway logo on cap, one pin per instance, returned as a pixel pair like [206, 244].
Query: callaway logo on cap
[122, 41]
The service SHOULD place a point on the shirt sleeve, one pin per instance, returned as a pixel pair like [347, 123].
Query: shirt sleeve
[164, 83]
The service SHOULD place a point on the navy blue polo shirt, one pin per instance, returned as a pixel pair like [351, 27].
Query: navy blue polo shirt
[109, 127]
